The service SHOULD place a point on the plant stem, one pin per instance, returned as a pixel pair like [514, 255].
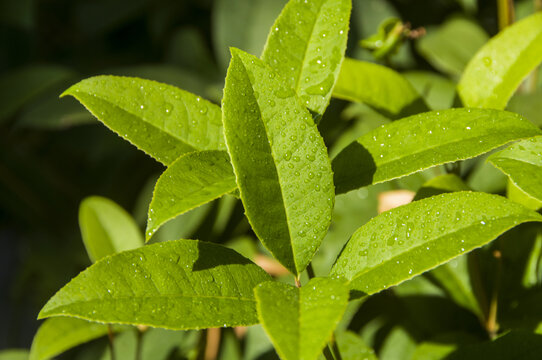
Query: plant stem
[139, 335]
[491, 324]
[328, 354]
[111, 338]
[310, 271]
[506, 13]
[298, 281]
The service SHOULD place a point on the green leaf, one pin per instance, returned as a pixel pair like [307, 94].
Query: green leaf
[498, 68]
[183, 284]
[404, 242]
[162, 120]
[14, 354]
[450, 46]
[379, 87]
[423, 141]
[57, 335]
[107, 228]
[517, 345]
[437, 91]
[522, 163]
[279, 159]
[21, 85]
[441, 184]
[300, 321]
[192, 180]
[306, 47]
[243, 24]
[352, 347]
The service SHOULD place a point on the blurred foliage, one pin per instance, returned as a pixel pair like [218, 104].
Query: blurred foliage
[53, 153]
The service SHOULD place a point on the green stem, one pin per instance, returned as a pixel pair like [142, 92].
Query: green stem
[506, 13]
[111, 338]
[138, 344]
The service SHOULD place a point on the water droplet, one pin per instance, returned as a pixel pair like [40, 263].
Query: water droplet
[288, 155]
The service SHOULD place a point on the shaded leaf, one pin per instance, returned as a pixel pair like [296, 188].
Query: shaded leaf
[300, 321]
[352, 347]
[183, 284]
[497, 69]
[280, 161]
[57, 335]
[160, 119]
[192, 180]
[450, 46]
[441, 184]
[23, 84]
[379, 87]
[14, 354]
[522, 163]
[423, 141]
[107, 228]
[243, 24]
[404, 242]
[306, 47]
[437, 91]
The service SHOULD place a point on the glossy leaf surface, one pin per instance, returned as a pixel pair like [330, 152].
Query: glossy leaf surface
[522, 162]
[107, 228]
[300, 321]
[57, 335]
[497, 69]
[306, 47]
[377, 86]
[423, 141]
[192, 180]
[183, 284]
[162, 120]
[404, 242]
[279, 159]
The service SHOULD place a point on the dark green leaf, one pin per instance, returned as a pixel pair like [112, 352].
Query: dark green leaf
[404, 242]
[280, 161]
[379, 87]
[183, 284]
[306, 47]
[423, 141]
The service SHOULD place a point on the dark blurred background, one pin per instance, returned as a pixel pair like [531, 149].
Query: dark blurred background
[53, 153]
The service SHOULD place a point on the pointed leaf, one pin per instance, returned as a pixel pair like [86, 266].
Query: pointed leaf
[306, 47]
[162, 120]
[58, 335]
[379, 87]
[183, 284]
[422, 141]
[300, 321]
[279, 159]
[404, 242]
[352, 347]
[497, 69]
[522, 162]
[107, 228]
[192, 180]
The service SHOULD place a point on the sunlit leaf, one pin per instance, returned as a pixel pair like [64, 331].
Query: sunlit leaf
[279, 159]
[300, 321]
[162, 120]
[497, 69]
[522, 163]
[192, 180]
[107, 228]
[404, 242]
[423, 141]
[306, 47]
[183, 284]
